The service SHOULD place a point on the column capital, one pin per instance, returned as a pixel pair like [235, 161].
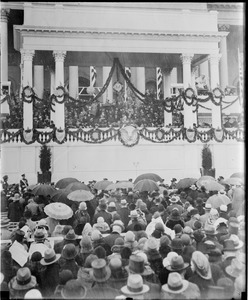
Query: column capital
[27, 55]
[59, 56]
[4, 15]
[214, 58]
[186, 58]
[223, 27]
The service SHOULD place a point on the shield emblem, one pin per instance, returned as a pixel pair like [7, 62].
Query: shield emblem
[95, 135]
[160, 134]
[190, 134]
[28, 135]
[117, 86]
[219, 134]
[60, 135]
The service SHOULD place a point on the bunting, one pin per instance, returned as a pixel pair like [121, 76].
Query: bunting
[128, 74]
[159, 82]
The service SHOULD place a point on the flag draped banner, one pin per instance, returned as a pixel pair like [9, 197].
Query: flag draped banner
[241, 78]
[159, 82]
[128, 74]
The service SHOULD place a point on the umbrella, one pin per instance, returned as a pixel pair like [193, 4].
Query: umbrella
[217, 200]
[204, 180]
[185, 183]
[31, 187]
[101, 185]
[58, 211]
[74, 186]
[212, 185]
[80, 195]
[238, 174]
[150, 176]
[62, 183]
[120, 185]
[233, 181]
[146, 185]
[60, 196]
[43, 189]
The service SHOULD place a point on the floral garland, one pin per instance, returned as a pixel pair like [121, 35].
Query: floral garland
[160, 134]
[6, 98]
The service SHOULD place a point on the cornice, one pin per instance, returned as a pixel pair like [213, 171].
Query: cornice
[225, 6]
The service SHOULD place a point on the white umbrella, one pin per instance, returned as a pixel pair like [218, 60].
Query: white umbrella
[58, 211]
[80, 195]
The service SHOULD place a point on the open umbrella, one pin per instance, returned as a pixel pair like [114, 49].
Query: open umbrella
[74, 186]
[43, 189]
[101, 185]
[80, 195]
[203, 180]
[238, 174]
[212, 185]
[61, 196]
[58, 211]
[62, 183]
[185, 183]
[233, 181]
[146, 185]
[217, 200]
[120, 185]
[151, 176]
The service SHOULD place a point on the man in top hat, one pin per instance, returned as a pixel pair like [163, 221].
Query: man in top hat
[100, 274]
[23, 183]
[124, 212]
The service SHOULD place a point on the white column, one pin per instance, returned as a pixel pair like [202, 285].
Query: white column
[108, 95]
[73, 81]
[141, 79]
[188, 114]
[4, 44]
[215, 80]
[39, 80]
[167, 86]
[223, 61]
[27, 57]
[59, 57]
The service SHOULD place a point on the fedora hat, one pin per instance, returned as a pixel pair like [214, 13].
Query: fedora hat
[133, 214]
[176, 244]
[86, 245]
[174, 216]
[235, 268]
[175, 284]
[228, 245]
[137, 265]
[237, 242]
[49, 257]
[177, 264]
[208, 206]
[23, 280]
[201, 263]
[168, 258]
[69, 252]
[118, 245]
[71, 236]
[135, 285]
[73, 289]
[4, 222]
[39, 235]
[210, 230]
[100, 272]
[118, 223]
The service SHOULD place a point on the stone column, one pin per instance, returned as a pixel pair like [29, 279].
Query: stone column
[73, 81]
[108, 95]
[4, 44]
[167, 93]
[39, 80]
[188, 114]
[223, 60]
[194, 75]
[27, 58]
[59, 57]
[214, 82]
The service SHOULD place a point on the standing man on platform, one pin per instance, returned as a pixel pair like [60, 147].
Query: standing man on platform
[23, 183]
[4, 191]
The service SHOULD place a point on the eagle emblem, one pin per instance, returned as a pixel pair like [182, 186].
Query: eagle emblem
[129, 135]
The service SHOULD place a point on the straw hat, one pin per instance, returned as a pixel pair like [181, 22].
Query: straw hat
[168, 258]
[133, 214]
[39, 235]
[201, 264]
[175, 284]
[100, 272]
[16, 197]
[235, 268]
[135, 285]
[177, 264]
[23, 280]
[49, 257]
[237, 242]
[33, 294]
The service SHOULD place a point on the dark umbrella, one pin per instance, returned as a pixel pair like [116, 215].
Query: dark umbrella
[43, 189]
[61, 196]
[146, 185]
[150, 176]
[74, 186]
[101, 185]
[64, 182]
[185, 183]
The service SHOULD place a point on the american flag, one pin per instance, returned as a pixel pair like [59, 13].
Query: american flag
[241, 76]
[159, 82]
[128, 74]
[92, 76]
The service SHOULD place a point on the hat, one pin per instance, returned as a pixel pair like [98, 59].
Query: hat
[100, 252]
[39, 235]
[112, 205]
[133, 214]
[168, 258]
[23, 280]
[175, 284]
[42, 223]
[100, 271]
[177, 244]
[66, 229]
[58, 230]
[161, 208]
[208, 206]
[70, 236]
[194, 212]
[115, 264]
[64, 276]
[235, 268]
[142, 242]
[49, 257]
[69, 251]
[36, 256]
[118, 245]
[151, 243]
[129, 236]
[173, 179]
[118, 223]
[197, 225]
[4, 222]
[210, 229]
[159, 226]
[23, 175]
[193, 187]
[186, 240]
[86, 244]
[237, 242]
[143, 206]
[233, 228]
[214, 212]
[124, 202]
[82, 206]
[175, 216]
[188, 230]
[135, 285]
[223, 208]
[16, 197]
[33, 294]
[89, 259]
[174, 199]
[96, 235]
[177, 264]
[228, 245]
[5, 177]
[178, 228]
[73, 289]
[216, 252]
[165, 240]
[201, 264]
[137, 265]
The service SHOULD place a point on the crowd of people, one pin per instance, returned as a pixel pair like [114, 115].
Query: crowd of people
[165, 244]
